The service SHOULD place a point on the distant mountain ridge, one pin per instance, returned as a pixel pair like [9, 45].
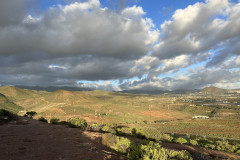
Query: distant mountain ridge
[13, 90]
[214, 90]
[157, 92]
[53, 88]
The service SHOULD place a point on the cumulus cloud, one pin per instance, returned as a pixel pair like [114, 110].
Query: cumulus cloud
[107, 86]
[80, 29]
[198, 78]
[199, 28]
[67, 44]
[95, 43]
[12, 12]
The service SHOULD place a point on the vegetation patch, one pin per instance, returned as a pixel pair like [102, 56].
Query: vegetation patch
[117, 143]
[54, 120]
[43, 119]
[6, 115]
[181, 140]
[30, 114]
[78, 123]
[154, 151]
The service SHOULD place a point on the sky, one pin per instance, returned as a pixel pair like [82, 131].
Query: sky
[120, 44]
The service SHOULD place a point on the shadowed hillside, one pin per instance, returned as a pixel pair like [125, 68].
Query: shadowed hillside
[5, 103]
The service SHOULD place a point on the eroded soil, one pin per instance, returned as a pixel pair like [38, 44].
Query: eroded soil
[29, 139]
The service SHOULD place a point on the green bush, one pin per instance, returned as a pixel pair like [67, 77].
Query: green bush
[108, 129]
[63, 123]
[4, 114]
[122, 144]
[238, 152]
[54, 120]
[219, 145]
[212, 146]
[153, 151]
[119, 132]
[181, 140]
[30, 114]
[157, 135]
[138, 133]
[78, 123]
[117, 143]
[126, 130]
[42, 119]
[193, 142]
[134, 131]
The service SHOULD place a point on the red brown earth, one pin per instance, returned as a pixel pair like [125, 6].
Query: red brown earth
[29, 139]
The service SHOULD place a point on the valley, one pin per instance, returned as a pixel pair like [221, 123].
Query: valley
[165, 117]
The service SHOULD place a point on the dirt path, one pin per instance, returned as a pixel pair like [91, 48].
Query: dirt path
[31, 139]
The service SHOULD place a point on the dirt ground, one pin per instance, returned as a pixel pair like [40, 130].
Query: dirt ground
[166, 114]
[29, 139]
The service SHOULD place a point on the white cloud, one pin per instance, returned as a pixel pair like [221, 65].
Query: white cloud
[85, 6]
[198, 78]
[107, 85]
[74, 30]
[133, 12]
[198, 28]
[85, 41]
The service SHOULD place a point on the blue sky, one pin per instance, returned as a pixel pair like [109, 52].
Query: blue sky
[158, 10]
[121, 44]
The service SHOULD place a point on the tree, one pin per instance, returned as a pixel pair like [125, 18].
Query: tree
[30, 114]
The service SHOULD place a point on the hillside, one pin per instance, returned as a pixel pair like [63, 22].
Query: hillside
[5, 103]
[15, 93]
[167, 112]
[54, 88]
[29, 139]
[159, 117]
[214, 90]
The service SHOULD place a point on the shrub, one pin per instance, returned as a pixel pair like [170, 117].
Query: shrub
[117, 143]
[153, 150]
[109, 140]
[238, 152]
[122, 144]
[138, 133]
[77, 122]
[119, 132]
[30, 114]
[42, 119]
[95, 127]
[212, 146]
[193, 142]
[181, 140]
[134, 131]
[63, 123]
[126, 130]
[8, 115]
[108, 129]
[54, 120]
[167, 137]
[157, 135]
